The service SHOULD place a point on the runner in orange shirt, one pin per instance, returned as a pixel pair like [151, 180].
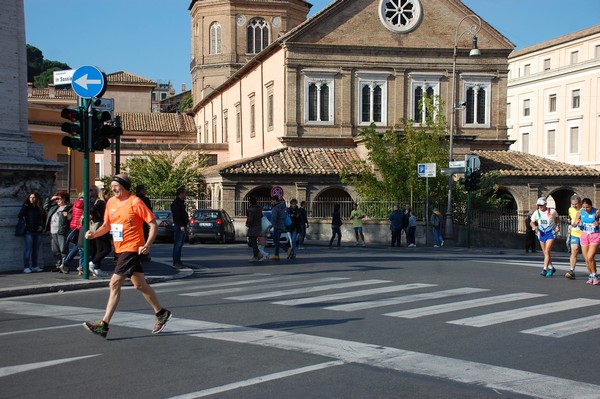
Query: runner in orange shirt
[124, 217]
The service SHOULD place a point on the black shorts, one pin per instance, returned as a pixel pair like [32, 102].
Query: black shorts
[128, 263]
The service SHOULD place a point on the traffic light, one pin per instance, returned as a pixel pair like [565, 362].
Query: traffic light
[74, 128]
[466, 181]
[476, 179]
[103, 130]
[472, 180]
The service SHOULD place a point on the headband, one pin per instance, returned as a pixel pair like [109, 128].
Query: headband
[126, 185]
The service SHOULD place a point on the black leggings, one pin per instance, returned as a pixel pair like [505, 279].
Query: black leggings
[103, 248]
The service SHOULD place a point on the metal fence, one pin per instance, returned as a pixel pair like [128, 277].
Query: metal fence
[501, 220]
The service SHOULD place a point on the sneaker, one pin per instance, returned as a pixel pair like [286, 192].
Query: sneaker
[275, 257]
[27, 270]
[254, 259]
[99, 328]
[161, 321]
[442, 243]
[550, 272]
[595, 281]
[436, 246]
[178, 266]
[37, 269]
[570, 275]
[590, 280]
[357, 243]
[543, 273]
[64, 269]
[92, 268]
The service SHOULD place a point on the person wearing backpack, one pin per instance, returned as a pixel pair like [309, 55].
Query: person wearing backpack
[278, 214]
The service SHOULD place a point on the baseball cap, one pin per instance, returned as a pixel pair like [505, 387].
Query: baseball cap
[541, 201]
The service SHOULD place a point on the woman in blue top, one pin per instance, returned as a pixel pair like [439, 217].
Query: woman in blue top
[546, 224]
[588, 217]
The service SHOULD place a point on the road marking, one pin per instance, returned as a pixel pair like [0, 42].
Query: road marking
[306, 290]
[353, 294]
[257, 380]
[558, 265]
[455, 306]
[523, 313]
[570, 327]
[260, 287]
[463, 371]
[5, 371]
[351, 307]
[38, 329]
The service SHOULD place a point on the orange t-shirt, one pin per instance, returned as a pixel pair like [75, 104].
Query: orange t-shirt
[126, 219]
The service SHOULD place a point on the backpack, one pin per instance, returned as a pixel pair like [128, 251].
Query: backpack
[287, 221]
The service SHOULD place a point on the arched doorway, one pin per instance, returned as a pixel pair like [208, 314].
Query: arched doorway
[322, 205]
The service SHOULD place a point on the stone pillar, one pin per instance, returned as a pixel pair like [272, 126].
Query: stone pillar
[301, 191]
[229, 197]
[22, 166]
[534, 194]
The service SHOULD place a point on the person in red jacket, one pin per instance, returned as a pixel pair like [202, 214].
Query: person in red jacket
[73, 237]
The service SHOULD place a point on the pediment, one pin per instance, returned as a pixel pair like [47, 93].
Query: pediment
[356, 23]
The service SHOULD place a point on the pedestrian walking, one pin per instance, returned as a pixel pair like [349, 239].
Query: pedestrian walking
[404, 228]
[588, 217]
[124, 217]
[396, 219]
[58, 220]
[74, 238]
[295, 227]
[102, 245]
[357, 217]
[412, 229]
[336, 226]
[303, 226]
[574, 236]
[546, 223]
[436, 228]
[180, 223]
[32, 212]
[530, 238]
[253, 223]
[278, 212]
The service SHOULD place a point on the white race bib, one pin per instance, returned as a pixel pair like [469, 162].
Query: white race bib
[116, 230]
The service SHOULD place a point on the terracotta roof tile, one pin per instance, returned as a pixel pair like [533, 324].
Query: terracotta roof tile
[44, 93]
[519, 164]
[128, 78]
[157, 122]
[293, 161]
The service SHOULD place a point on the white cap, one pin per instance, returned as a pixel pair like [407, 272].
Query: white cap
[541, 201]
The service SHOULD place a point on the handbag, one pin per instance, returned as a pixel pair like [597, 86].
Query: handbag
[94, 226]
[20, 228]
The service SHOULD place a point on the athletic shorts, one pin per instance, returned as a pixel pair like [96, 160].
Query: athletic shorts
[574, 240]
[543, 237]
[128, 263]
[358, 229]
[590, 239]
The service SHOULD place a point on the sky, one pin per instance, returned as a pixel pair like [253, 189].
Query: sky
[151, 38]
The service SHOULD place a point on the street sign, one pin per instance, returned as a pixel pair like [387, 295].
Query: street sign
[457, 164]
[473, 161]
[278, 191]
[63, 77]
[426, 169]
[104, 104]
[452, 171]
[88, 82]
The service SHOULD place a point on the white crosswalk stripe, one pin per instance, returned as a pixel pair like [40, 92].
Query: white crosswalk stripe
[352, 294]
[350, 307]
[566, 328]
[295, 291]
[524, 313]
[462, 305]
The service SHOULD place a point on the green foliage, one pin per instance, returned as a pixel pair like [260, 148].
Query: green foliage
[39, 70]
[163, 172]
[486, 195]
[186, 103]
[390, 174]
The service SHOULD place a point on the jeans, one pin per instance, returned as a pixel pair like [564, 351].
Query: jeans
[335, 231]
[437, 237]
[411, 234]
[293, 239]
[276, 237]
[178, 239]
[33, 241]
[301, 234]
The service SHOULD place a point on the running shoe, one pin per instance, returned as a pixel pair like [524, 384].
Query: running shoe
[570, 275]
[590, 280]
[64, 268]
[99, 328]
[27, 270]
[596, 280]
[161, 321]
[543, 273]
[550, 272]
[37, 269]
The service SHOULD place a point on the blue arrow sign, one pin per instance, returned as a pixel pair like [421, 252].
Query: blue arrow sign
[88, 82]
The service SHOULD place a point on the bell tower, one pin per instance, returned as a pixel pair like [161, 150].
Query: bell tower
[226, 34]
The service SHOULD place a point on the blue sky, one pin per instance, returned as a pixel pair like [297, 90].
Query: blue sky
[151, 38]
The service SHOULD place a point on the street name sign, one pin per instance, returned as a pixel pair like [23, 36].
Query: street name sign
[63, 77]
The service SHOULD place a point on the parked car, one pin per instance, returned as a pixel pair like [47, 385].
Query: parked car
[284, 238]
[164, 220]
[211, 224]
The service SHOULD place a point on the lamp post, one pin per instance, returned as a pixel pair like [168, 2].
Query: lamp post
[472, 30]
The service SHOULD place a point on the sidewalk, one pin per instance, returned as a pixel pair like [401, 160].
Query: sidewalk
[19, 283]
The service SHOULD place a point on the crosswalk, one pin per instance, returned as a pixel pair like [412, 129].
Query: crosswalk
[342, 294]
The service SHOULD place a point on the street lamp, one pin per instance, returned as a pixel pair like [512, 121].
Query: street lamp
[472, 30]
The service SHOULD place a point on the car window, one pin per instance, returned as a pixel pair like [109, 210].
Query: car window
[206, 215]
[226, 216]
[162, 214]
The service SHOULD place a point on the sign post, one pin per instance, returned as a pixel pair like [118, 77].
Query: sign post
[426, 170]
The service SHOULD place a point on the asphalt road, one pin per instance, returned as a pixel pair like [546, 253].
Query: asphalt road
[349, 323]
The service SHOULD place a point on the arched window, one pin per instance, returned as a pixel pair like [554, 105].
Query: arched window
[215, 38]
[258, 35]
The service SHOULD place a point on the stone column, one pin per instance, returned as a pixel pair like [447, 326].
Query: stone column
[22, 166]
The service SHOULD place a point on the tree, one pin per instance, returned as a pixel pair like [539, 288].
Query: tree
[390, 172]
[39, 70]
[186, 103]
[163, 172]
